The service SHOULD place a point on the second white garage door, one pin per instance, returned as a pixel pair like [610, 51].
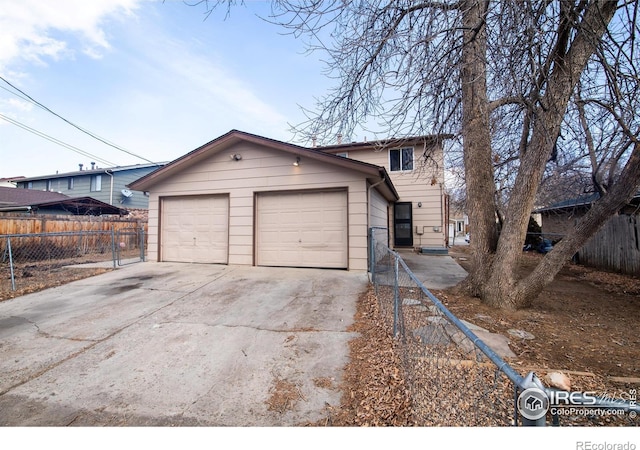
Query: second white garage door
[302, 229]
[195, 229]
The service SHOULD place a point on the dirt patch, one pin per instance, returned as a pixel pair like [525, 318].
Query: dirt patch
[585, 321]
[37, 276]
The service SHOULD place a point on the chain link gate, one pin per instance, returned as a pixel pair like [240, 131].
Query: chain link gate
[129, 246]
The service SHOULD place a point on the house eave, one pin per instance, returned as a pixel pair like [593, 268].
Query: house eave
[233, 137]
[385, 143]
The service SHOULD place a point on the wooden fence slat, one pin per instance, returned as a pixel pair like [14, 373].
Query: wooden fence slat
[56, 223]
[615, 247]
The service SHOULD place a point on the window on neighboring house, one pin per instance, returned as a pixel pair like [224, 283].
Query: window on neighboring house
[70, 183]
[96, 183]
[49, 185]
[401, 159]
[29, 185]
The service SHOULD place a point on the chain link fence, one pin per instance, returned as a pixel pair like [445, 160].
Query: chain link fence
[27, 259]
[454, 377]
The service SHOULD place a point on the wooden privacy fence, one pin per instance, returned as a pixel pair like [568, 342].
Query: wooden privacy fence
[43, 223]
[616, 247]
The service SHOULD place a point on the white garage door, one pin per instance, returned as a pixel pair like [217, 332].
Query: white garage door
[302, 229]
[195, 229]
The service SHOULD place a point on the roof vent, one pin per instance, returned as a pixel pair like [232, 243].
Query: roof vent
[80, 166]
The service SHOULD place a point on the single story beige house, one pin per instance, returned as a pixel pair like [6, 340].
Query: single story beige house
[249, 200]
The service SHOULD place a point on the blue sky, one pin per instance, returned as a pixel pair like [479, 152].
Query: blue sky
[153, 78]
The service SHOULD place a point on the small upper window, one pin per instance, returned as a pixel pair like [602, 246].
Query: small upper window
[70, 183]
[96, 183]
[401, 159]
[343, 154]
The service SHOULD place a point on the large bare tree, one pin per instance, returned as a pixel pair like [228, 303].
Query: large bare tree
[529, 86]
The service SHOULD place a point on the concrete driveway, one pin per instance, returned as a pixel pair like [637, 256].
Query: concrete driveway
[178, 344]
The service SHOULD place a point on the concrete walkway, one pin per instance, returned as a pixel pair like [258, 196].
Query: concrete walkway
[178, 344]
[434, 271]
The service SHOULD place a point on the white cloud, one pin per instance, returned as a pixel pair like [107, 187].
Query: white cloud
[200, 77]
[35, 30]
[20, 105]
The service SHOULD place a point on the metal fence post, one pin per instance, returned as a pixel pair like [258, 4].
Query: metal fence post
[396, 295]
[142, 248]
[113, 246]
[372, 262]
[13, 279]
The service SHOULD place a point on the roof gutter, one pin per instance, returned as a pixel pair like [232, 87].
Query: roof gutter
[385, 177]
[15, 208]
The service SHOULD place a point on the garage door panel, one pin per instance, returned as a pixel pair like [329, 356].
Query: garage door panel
[334, 218]
[302, 229]
[270, 218]
[195, 229]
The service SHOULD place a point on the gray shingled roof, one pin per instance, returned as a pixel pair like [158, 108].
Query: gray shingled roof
[28, 197]
[581, 201]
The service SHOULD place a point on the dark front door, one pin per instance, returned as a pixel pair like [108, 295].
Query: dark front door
[403, 224]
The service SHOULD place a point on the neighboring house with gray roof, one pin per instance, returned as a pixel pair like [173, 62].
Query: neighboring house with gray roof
[108, 185]
[559, 218]
[615, 247]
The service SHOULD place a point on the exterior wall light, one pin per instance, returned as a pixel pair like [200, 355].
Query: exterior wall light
[297, 161]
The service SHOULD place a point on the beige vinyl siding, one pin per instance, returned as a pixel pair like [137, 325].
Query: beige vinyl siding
[380, 216]
[415, 187]
[263, 170]
[379, 210]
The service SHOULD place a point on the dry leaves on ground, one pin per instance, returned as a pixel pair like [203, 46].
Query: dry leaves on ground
[374, 388]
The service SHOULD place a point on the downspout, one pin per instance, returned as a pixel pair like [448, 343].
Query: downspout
[111, 187]
[442, 216]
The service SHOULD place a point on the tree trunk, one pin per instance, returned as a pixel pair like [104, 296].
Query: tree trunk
[477, 144]
[502, 289]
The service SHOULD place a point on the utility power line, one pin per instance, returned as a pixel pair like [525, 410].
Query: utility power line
[27, 97]
[55, 141]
